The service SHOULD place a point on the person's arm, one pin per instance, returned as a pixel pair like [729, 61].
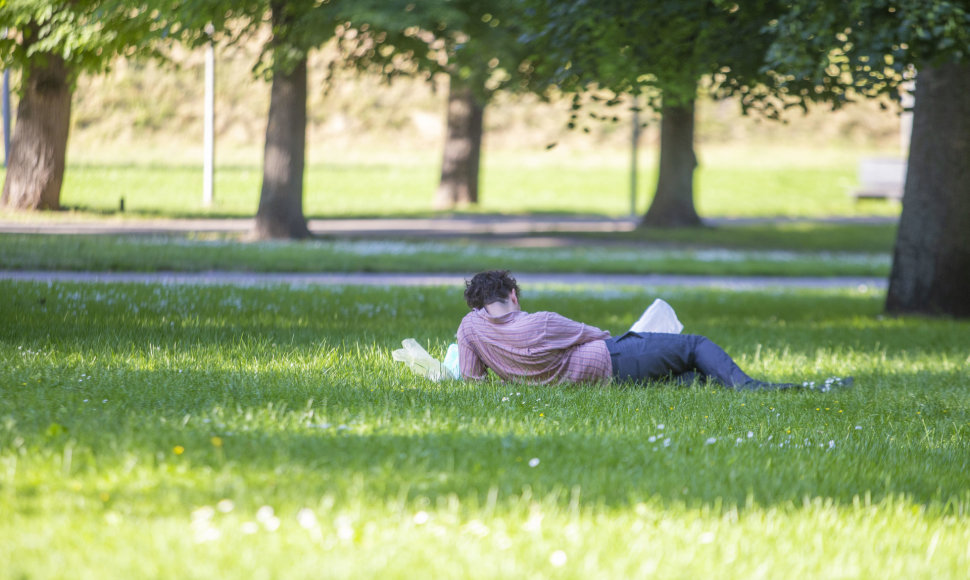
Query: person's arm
[562, 332]
[469, 364]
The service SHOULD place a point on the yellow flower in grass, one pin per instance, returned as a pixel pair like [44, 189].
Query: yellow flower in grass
[216, 441]
[178, 450]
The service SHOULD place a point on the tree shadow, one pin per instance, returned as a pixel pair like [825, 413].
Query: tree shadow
[306, 435]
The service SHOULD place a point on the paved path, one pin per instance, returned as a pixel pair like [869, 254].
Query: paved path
[430, 279]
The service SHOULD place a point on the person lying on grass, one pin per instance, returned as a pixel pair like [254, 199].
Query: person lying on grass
[546, 347]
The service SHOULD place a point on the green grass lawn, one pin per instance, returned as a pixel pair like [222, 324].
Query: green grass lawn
[209, 432]
[746, 182]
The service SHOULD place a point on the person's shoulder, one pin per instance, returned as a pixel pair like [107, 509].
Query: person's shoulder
[472, 314]
[549, 315]
[469, 318]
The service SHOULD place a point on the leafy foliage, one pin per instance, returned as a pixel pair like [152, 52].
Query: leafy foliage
[829, 50]
[87, 34]
[662, 49]
[474, 42]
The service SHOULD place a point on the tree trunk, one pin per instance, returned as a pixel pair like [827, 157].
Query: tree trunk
[38, 146]
[673, 204]
[280, 213]
[463, 148]
[931, 264]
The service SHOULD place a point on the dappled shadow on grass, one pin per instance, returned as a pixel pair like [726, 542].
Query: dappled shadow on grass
[807, 236]
[305, 435]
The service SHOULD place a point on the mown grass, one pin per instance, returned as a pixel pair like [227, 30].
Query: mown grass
[795, 249]
[749, 183]
[190, 432]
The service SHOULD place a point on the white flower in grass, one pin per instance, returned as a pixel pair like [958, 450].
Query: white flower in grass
[652, 438]
[264, 513]
[307, 519]
[266, 516]
[711, 441]
[202, 525]
[831, 444]
[345, 531]
[534, 462]
[858, 427]
[203, 514]
[225, 506]
[207, 534]
[706, 538]
[660, 426]
[750, 434]
[421, 518]
[476, 528]
[558, 558]
[534, 523]
[250, 528]
[667, 442]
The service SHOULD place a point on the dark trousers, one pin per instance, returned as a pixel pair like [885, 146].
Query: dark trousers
[681, 357]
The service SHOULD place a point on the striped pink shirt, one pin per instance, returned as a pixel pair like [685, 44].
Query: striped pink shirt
[542, 347]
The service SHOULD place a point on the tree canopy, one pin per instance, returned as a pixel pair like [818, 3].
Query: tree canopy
[832, 51]
[87, 34]
[661, 49]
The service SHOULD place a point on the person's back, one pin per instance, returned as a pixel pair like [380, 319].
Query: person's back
[542, 347]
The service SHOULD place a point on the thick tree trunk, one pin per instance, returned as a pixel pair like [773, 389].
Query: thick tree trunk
[463, 148]
[673, 204]
[280, 213]
[38, 145]
[931, 264]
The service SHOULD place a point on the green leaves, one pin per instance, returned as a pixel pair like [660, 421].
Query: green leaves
[824, 49]
[662, 49]
[87, 34]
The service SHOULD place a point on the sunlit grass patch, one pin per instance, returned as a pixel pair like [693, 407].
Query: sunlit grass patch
[194, 431]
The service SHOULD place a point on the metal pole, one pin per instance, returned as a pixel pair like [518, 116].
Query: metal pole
[634, 157]
[6, 111]
[6, 118]
[208, 161]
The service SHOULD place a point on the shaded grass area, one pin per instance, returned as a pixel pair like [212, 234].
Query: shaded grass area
[795, 236]
[218, 431]
[786, 249]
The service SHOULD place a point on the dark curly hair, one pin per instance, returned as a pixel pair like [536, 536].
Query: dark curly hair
[488, 287]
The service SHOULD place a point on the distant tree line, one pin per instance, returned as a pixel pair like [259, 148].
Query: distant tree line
[773, 55]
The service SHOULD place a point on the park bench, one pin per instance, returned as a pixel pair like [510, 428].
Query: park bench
[881, 178]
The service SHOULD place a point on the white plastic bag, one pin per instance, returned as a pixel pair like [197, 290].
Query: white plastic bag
[422, 363]
[658, 317]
